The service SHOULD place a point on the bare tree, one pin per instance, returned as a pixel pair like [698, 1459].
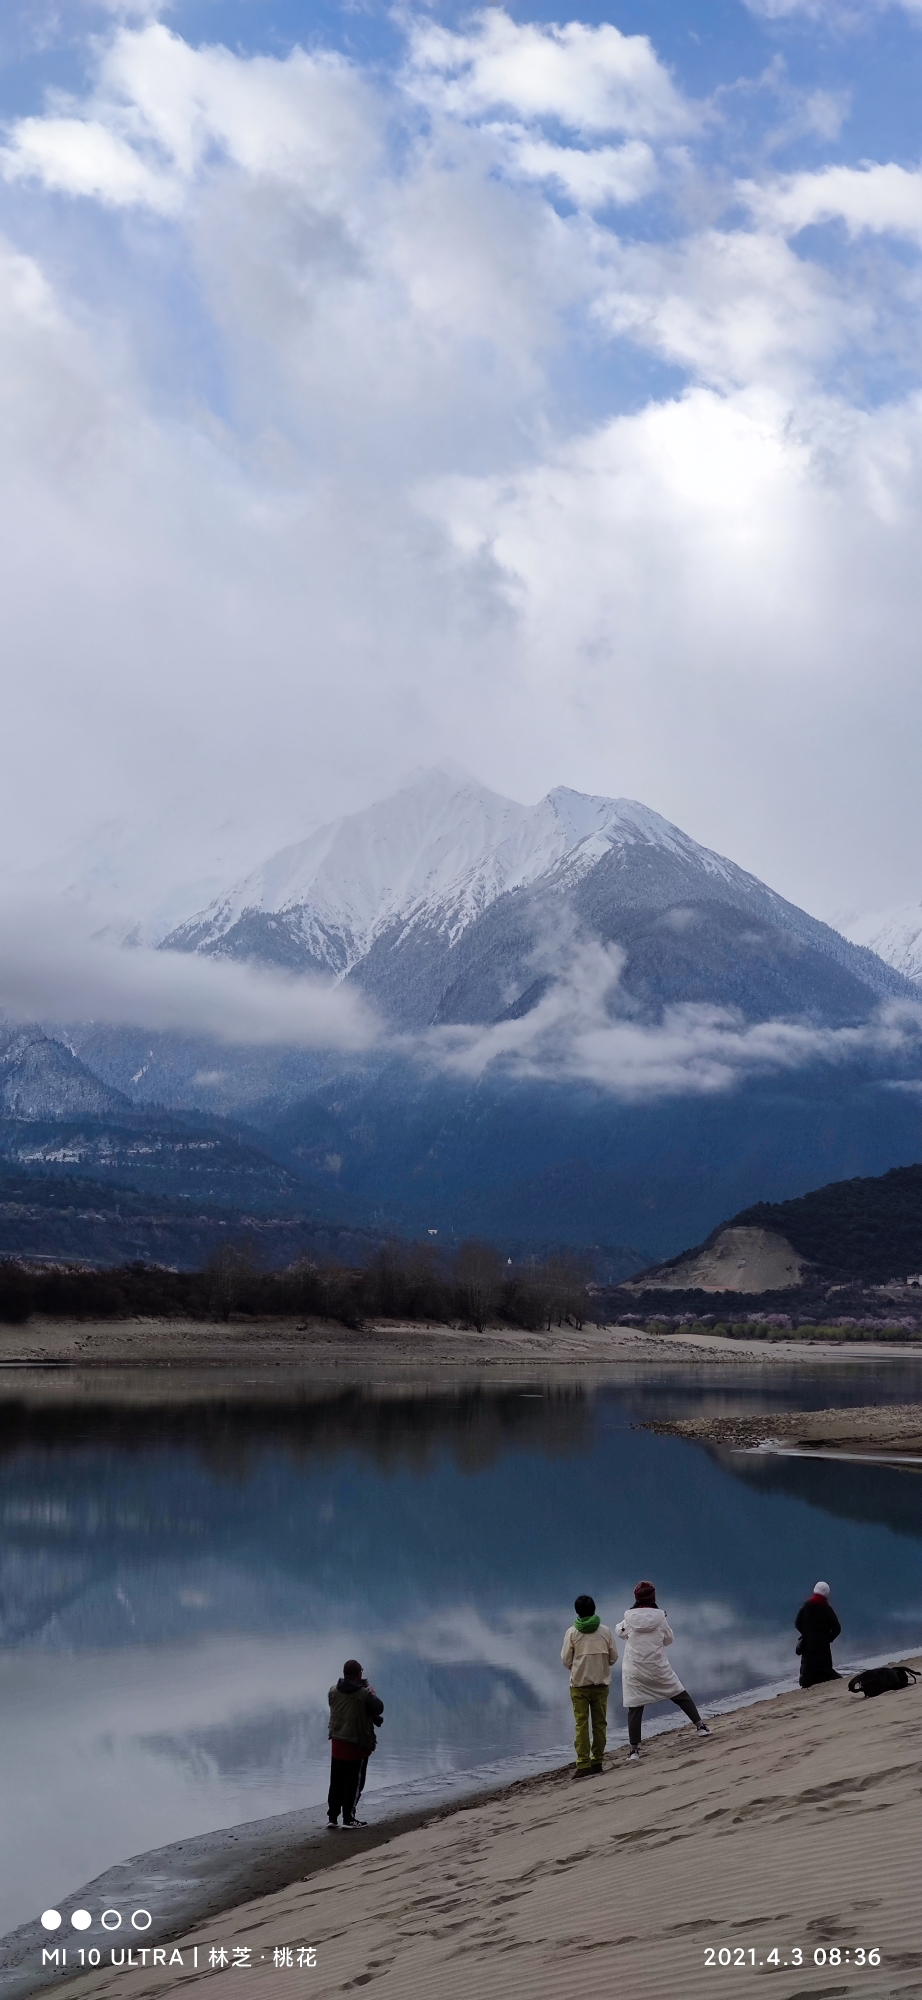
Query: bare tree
[229, 1273]
[565, 1280]
[478, 1277]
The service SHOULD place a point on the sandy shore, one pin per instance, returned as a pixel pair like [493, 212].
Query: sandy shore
[323, 1345]
[884, 1430]
[794, 1828]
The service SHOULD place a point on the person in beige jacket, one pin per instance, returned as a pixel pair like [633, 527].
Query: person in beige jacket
[590, 1653]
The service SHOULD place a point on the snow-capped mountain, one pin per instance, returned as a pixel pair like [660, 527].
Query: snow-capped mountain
[440, 850]
[895, 935]
[448, 902]
[435, 855]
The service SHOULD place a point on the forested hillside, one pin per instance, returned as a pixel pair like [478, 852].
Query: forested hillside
[869, 1230]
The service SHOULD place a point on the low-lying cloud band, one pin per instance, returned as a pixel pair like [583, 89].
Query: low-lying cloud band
[584, 1028]
[49, 972]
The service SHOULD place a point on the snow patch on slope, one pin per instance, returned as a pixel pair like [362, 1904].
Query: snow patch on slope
[895, 935]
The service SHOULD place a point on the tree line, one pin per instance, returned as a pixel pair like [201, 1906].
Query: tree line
[475, 1285]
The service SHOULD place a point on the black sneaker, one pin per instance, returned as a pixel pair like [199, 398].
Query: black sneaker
[351, 1824]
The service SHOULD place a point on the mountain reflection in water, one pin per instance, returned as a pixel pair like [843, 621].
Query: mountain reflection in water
[185, 1567]
[888, 1495]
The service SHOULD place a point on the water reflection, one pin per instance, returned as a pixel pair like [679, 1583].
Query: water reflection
[183, 1571]
[853, 1492]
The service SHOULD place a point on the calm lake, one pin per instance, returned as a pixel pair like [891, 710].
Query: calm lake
[187, 1563]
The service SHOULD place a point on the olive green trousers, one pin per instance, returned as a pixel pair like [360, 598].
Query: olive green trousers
[590, 1709]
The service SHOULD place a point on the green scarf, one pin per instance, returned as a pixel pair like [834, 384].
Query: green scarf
[588, 1624]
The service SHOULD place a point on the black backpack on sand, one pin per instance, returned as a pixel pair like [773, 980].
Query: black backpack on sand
[880, 1680]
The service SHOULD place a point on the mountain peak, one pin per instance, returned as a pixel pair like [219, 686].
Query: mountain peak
[585, 813]
[447, 901]
[434, 854]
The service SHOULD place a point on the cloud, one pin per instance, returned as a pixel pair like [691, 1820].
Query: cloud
[735, 308]
[519, 85]
[677, 529]
[50, 972]
[591, 80]
[574, 1034]
[584, 1029]
[846, 14]
[81, 156]
[162, 113]
[162, 110]
[354, 414]
[590, 179]
[874, 198]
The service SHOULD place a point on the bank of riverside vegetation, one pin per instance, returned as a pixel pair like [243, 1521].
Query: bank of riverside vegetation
[474, 1286]
[411, 1282]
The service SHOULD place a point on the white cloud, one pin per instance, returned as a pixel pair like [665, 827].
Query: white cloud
[312, 407]
[695, 1051]
[591, 178]
[735, 307]
[592, 80]
[162, 110]
[582, 1030]
[845, 14]
[81, 156]
[879, 198]
[50, 972]
[145, 10]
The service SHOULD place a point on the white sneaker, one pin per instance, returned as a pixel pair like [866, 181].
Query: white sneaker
[703, 1729]
[633, 1756]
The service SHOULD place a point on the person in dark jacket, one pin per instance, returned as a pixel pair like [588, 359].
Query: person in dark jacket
[818, 1627]
[354, 1711]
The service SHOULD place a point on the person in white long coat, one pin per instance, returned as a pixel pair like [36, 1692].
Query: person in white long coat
[646, 1674]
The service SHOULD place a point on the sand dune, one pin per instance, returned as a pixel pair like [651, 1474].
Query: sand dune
[795, 1827]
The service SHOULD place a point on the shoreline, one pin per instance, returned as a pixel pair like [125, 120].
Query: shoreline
[890, 1433]
[193, 1881]
[221, 1874]
[322, 1346]
[758, 1837]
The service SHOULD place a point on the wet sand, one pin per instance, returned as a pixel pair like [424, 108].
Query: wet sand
[793, 1829]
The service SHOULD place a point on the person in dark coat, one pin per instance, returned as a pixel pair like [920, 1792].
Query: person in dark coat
[818, 1627]
[354, 1711]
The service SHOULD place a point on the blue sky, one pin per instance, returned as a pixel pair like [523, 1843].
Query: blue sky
[535, 387]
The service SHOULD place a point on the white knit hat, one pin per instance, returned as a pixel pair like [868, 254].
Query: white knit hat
[821, 1590]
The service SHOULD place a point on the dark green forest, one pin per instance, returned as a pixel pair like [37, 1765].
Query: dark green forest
[868, 1230]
